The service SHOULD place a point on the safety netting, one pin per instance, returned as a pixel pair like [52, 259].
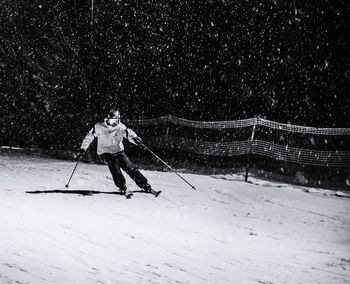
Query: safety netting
[273, 146]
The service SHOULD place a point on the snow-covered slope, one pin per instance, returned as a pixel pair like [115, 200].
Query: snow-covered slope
[227, 231]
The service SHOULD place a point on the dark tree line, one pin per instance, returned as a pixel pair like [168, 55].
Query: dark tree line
[61, 66]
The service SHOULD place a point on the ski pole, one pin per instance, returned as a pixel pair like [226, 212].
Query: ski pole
[67, 185]
[148, 149]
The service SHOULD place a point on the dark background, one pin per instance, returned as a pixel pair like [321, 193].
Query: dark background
[286, 61]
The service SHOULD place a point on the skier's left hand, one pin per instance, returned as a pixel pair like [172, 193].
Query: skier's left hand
[81, 153]
[137, 140]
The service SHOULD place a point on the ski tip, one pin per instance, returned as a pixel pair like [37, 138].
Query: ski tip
[157, 193]
[129, 195]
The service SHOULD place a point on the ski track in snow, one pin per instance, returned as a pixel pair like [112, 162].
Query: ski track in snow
[227, 231]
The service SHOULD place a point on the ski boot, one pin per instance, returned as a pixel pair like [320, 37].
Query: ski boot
[149, 189]
[128, 194]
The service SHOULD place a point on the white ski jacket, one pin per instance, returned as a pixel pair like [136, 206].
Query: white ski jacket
[109, 138]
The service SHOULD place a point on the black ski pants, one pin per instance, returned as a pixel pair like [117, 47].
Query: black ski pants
[119, 161]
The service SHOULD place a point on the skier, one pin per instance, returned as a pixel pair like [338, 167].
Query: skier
[110, 134]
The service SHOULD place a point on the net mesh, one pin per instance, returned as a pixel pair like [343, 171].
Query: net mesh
[275, 147]
[301, 156]
[303, 129]
[195, 124]
[234, 148]
[291, 143]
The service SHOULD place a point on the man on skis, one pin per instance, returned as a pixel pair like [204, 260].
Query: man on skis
[110, 134]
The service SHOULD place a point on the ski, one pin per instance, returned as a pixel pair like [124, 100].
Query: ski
[128, 194]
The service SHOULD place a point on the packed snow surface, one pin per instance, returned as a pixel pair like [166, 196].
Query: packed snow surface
[227, 231]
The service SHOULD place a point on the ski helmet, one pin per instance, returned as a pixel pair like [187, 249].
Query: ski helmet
[113, 113]
[113, 117]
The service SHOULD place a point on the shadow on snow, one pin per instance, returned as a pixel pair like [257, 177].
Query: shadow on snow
[81, 192]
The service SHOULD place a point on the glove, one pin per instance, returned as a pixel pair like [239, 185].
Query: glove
[81, 152]
[137, 140]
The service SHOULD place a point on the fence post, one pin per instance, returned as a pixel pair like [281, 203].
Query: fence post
[167, 121]
[250, 148]
[167, 130]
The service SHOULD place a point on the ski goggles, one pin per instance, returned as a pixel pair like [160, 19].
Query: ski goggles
[114, 115]
[114, 120]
